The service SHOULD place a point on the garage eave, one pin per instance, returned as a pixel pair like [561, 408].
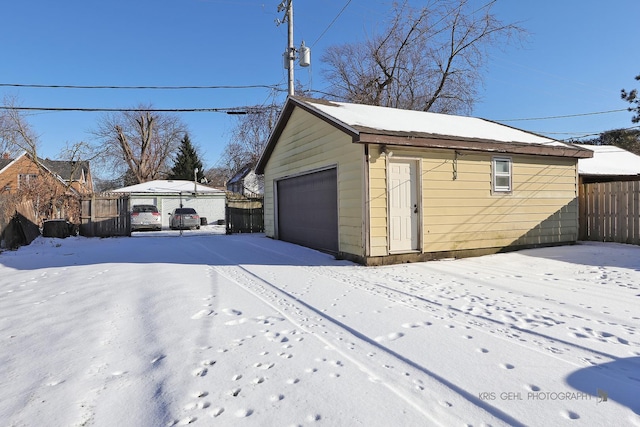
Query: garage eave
[292, 103]
[418, 140]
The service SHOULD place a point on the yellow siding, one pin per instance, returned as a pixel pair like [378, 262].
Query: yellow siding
[378, 203]
[306, 144]
[462, 213]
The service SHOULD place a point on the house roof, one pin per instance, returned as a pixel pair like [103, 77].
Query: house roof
[62, 170]
[66, 169]
[4, 163]
[168, 186]
[392, 126]
[609, 160]
[244, 171]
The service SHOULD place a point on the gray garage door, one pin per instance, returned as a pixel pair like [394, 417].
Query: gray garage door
[308, 210]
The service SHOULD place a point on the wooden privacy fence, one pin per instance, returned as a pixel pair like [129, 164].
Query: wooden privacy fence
[610, 212]
[105, 215]
[244, 216]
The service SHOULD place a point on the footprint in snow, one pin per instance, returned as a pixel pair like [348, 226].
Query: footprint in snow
[201, 314]
[264, 366]
[570, 415]
[157, 359]
[216, 412]
[243, 413]
[200, 394]
[196, 405]
[184, 421]
[200, 372]
[415, 325]
[390, 337]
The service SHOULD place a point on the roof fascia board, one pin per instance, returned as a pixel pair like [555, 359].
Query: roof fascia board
[12, 162]
[291, 103]
[308, 107]
[474, 145]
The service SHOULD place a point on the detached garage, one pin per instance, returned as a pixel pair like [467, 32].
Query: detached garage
[167, 195]
[382, 185]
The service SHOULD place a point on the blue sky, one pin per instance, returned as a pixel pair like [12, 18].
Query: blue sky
[578, 56]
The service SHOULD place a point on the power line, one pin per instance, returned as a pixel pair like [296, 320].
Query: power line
[230, 110]
[563, 117]
[137, 87]
[585, 135]
[331, 23]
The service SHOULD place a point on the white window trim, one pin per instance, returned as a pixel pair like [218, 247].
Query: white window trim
[25, 179]
[495, 189]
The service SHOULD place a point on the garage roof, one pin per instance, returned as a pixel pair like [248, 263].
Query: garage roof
[393, 126]
[167, 186]
[609, 160]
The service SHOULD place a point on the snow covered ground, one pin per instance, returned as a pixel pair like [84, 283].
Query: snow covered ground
[208, 329]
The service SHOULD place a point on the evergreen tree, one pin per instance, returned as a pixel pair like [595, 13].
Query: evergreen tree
[633, 98]
[186, 162]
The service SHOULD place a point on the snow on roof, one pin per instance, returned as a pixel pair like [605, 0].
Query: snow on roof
[397, 120]
[609, 160]
[167, 186]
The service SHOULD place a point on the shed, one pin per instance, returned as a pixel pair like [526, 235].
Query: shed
[382, 185]
[167, 195]
[609, 163]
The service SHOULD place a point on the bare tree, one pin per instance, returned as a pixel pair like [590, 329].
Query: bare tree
[16, 136]
[427, 59]
[48, 195]
[140, 142]
[249, 137]
[217, 177]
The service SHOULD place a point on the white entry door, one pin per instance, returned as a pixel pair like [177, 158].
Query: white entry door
[403, 205]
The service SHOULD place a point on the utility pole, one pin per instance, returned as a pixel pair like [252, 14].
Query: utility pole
[291, 48]
[291, 52]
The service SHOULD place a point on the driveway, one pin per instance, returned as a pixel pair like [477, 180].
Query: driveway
[209, 329]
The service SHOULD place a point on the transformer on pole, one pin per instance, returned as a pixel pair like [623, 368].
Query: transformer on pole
[291, 53]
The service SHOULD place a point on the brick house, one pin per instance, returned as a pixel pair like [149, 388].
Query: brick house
[52, 186]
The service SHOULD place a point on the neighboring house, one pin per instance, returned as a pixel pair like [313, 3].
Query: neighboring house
[246, 182]
[52, 189]
[167, 195]
[382, 185]
[18, 172]
[609, 163]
